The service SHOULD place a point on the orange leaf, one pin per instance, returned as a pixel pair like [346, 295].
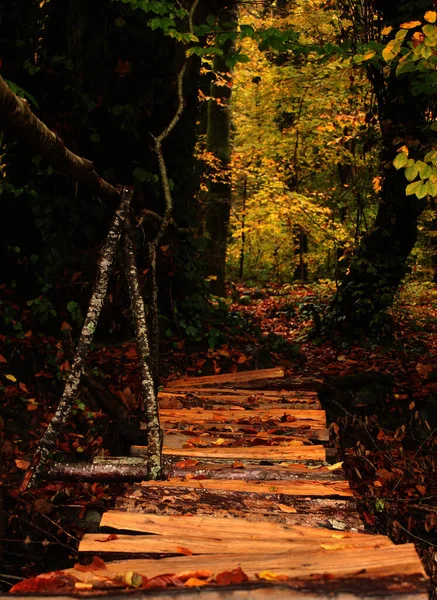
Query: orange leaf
[410, 25]
[287, 509]
[185, 551]
[186, 575]
[2, 359]
[194, 582]
[66, 326]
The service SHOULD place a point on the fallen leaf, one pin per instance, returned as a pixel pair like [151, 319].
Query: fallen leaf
[82, 585]
[335, 466]
[202, 574]
[22, 464]
[231, 577]
[185, 551]
[109, 538]
[194, 582]
[271, 576]
[287, 509]
[97, 564]
[11, 378]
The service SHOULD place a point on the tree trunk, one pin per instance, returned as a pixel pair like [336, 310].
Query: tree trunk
[219, 145]
[369, 288]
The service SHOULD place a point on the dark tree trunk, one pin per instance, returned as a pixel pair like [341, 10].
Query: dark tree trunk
[377, 270]
[219, 145]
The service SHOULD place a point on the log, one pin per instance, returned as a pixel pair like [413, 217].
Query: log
[132, 469]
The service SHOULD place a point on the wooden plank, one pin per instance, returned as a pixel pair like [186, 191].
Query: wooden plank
[249, 471]
[268, 591]
[177, 401]
[178, 543]
[318, 489]
[363, 563]
[316, 419]
[236, 436]
[235, 392]
[224, 528]
[305, 432]
[241, 377]
[339, 515]
[252, 453]
[269, 453]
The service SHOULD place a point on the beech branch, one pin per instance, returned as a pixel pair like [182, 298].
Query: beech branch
[17, 118]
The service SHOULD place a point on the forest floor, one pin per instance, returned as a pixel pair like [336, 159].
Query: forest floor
[384, 425]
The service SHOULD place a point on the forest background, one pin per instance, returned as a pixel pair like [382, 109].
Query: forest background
[303, 175]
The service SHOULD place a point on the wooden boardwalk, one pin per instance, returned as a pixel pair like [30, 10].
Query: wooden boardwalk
[254, 502]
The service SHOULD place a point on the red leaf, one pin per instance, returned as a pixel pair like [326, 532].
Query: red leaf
[97, 564]
[230, 577]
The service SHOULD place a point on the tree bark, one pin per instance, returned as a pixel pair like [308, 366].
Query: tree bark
[17, 118]
[369, 288]
[150, 402]
[219, 145]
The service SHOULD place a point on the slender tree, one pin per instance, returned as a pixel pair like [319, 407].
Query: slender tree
[219, 146]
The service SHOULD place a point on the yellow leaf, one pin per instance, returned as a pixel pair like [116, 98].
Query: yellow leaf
[332, 546]
[271, 576]
[11, 378]
[431, 16]
[335, 466]
[338, 535]
[387, 30]
[410, 25]
[194, 582]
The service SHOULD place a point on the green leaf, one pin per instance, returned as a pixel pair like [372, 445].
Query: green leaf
[411, 172]
[413, 187]
[424, 169]
[400, 160]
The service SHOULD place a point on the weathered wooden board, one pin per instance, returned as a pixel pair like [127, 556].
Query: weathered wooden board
[253, 453]
[346, 589]
[232, 392]
[229, 528]
[363, 563]
[262, 436]
[235, 378]
[316, 419]
[182, 544]
[289, 471]
[241, 429]
[317, 489]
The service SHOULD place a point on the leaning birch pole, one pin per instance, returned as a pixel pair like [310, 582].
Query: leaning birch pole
[104, 267]
[150, 402]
